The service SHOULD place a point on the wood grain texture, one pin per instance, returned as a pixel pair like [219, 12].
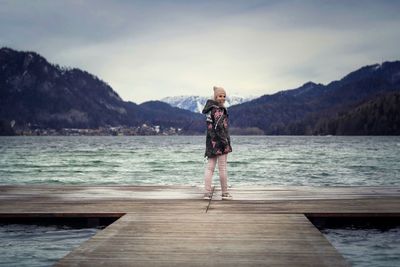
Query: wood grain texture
[169, 225]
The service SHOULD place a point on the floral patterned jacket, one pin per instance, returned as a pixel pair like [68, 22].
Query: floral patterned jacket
[218, 141]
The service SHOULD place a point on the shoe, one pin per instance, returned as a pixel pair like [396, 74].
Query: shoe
[207, 196]
[226, 196]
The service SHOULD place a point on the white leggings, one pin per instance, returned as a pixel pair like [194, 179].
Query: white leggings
[223, 174]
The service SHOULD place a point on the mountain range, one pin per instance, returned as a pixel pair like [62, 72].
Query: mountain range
[35, 93]
[196, 103]
[303, 110]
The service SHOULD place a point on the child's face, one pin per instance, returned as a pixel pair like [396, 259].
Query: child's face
[220, 98]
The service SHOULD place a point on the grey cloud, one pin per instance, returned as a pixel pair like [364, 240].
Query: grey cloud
[142, 46]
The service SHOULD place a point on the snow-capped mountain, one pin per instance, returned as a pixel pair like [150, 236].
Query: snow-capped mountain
[196, 103]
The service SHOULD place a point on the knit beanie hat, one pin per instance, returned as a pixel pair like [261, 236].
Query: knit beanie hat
[217, 91]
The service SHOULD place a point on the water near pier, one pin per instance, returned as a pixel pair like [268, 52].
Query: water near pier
[256, 160]
[33, 245]
[367, 247]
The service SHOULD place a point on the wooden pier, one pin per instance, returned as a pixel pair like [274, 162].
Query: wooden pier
[174, 226]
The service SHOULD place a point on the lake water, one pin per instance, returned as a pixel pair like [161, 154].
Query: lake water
[367, 247]
[33, 245]
[256, 160]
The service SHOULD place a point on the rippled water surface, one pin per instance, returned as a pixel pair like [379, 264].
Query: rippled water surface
[33, 245]
[367, 247]
[256, 160]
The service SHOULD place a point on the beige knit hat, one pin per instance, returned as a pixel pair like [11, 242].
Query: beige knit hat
[217, 91]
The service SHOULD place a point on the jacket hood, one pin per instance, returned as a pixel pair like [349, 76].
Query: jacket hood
[209, 105]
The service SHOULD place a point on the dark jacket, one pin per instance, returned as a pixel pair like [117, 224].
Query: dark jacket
[218, 141]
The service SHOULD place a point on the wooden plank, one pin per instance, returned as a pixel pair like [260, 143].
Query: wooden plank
[309, 193]
[207, 239]
[350, 206]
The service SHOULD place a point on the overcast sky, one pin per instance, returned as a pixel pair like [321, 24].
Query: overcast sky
[147, 50]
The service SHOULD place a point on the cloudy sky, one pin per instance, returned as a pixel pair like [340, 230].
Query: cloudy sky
[151, 49]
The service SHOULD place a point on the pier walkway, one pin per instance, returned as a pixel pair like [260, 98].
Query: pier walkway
[173, 226]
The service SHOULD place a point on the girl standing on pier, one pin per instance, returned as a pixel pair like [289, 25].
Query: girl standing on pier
[218, 142]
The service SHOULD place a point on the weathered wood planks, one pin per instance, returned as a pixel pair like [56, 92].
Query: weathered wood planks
[207, 240]
[169, 225]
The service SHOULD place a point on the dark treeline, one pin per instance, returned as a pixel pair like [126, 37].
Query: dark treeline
[380, 116]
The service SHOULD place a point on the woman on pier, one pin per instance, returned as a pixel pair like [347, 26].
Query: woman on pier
[218, 142]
